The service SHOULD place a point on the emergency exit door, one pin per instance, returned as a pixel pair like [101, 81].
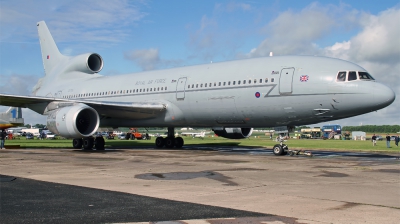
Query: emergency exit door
[180, 88]
[286, 81]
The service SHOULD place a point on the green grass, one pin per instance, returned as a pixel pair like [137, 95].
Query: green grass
[260, 141]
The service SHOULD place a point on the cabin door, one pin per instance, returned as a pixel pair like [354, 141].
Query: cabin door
[286, 81]
[180, 88]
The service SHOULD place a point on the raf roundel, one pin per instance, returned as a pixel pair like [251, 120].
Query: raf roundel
[257, 94]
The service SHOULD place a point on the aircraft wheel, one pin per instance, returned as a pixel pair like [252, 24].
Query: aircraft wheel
[179, 142]
[77, 143]
[278, 150]
[99, 143]
[160, 142]
[88, 143]
[169, 142]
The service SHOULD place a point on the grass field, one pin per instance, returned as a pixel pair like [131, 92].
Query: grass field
[257, 141]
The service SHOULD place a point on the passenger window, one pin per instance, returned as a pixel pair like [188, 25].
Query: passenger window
[224, 83]
[201, 85]
[244, 81]
[260, 80]
[205, 85]
[192, 86]
[249, 81]
[272, 79]
[219, 84]
[165, 88]
[229, 83]
[197, 85]
[255, 81]
[188, 86]
[210, 84]
[234, 82]
[352, 76]
[266, 80]
[239, 82]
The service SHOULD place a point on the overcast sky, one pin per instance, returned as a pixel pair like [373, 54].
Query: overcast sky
[133, 36]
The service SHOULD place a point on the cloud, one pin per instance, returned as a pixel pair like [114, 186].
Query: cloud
[83, 20]
[17, 84]
[149, 59]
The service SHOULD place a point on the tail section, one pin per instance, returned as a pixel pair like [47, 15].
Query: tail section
[51, 56]
[11, 118]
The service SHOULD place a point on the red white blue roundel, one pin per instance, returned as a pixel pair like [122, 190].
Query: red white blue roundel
[304, 78]
[257, 94]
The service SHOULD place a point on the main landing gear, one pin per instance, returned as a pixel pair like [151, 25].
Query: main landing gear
[89, 143]
[170, 141]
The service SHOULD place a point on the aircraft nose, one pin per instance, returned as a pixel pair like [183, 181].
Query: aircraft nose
[383, 95]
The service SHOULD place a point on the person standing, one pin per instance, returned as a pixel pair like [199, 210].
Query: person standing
[388, 140]
[396, 140]
[3, 135]
[374, 140]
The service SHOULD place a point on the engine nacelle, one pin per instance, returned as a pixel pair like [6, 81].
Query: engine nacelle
[89, 63]
[234, 133]
[74, 121]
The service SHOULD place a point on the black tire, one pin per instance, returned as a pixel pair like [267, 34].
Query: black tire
[169, 142]
[99, 143]
[127, 136]
[144, 137]
[160, 142]
[88, 143]
[278, 150]
[133, 137]
[77, 143]
[179, 142]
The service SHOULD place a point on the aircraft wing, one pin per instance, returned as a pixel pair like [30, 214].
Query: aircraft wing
[104, 108]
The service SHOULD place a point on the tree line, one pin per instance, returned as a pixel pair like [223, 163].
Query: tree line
[373, 128]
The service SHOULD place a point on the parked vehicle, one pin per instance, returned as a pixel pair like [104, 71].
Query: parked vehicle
[29, 136]
[122, 136]
[50, 135]
[379, 138]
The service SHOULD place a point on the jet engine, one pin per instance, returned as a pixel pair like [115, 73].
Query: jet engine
[234, 133]
[89, 63]
[74, 121]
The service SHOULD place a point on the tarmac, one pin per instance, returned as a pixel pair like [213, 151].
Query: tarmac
[197, 184]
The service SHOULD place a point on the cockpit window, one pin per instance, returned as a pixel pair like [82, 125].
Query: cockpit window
[352, 76]
[365, 76]
[341, 77]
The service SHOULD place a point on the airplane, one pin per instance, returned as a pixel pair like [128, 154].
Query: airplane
[11, 118]
[231, 97]
[194, 134]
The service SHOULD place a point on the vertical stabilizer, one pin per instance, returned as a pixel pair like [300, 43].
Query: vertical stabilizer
[51, 56]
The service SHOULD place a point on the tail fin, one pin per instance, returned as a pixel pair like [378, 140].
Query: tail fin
[51, 56]
[11, 118]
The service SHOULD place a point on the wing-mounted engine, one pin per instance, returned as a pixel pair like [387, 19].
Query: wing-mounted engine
[234, 133]
[88, 63]
[73, 121]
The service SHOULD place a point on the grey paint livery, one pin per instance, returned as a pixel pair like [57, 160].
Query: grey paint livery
[300, 90]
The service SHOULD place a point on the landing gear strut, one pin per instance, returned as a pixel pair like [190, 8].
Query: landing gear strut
[280, 149]
[170, 141]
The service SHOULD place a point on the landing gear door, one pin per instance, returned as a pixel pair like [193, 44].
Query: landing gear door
[180, 89]
[286, 81]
